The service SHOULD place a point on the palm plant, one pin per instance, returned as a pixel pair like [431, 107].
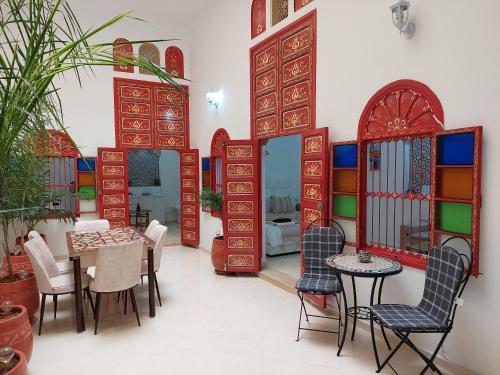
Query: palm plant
[39, 41]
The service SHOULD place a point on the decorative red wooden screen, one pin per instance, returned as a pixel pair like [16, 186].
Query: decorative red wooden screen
[112, 185]
[241, 206]
[258, 17]
[151, 115]
[299, 4]
[174, 61]
[283, 81]
[121, 52]
[190, 184]
[314, 181]
[150, 52]
[217, 150]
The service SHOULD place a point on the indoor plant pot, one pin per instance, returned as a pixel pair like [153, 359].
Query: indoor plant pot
[22, 367]
[19, 260]
[218, 257]
[15, 331]
[22, 292]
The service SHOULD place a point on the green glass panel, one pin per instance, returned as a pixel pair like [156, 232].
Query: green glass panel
[455, 217]
[344, 205]
[87, 192]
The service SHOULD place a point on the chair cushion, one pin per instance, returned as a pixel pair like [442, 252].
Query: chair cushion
[66, 284]
[321, 285]
[405, 318]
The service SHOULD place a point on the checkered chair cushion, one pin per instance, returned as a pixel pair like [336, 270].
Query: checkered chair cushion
[319, 243]
[445, 271]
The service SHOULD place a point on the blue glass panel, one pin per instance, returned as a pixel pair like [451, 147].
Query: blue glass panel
[88, 166]
[345, 156]
[205, 164]
[456, 149]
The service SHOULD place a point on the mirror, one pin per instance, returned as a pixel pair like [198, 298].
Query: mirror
[398, 181]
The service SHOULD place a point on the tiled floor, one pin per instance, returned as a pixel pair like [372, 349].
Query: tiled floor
[288, 264]
[208, 324]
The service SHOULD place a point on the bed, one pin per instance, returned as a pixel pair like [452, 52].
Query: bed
[281, 238]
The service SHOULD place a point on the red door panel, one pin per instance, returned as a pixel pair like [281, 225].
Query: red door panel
[190, 213]
[241, 206]
[314, 181]
[112, 185]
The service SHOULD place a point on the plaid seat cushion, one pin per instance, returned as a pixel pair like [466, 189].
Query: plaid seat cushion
[405, 318]
[309, 284]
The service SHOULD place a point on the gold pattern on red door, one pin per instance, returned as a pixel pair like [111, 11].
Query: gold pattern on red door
[283, 81]
[241, 221]
[151, 115]
[314, 180]
[189, 174]
[112, 185]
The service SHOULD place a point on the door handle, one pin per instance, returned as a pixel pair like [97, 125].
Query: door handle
[319, 206]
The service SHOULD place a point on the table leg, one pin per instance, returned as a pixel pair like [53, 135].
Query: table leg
[80, 320]
[151, 283]
[355, 315]
[339, 277]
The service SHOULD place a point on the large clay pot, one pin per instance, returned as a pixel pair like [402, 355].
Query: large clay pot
[23, 292]
[218, 257]
[16, 332]
[22, 367]
[19, 263]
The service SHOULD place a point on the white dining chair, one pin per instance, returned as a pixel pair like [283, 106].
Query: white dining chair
[157, 236]
[52, 285]
[151, 226]
[53, 267]
[91, 225]
[118, 268]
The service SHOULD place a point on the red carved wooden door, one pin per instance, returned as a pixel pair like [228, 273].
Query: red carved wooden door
[112, 185]
[314, 181]
[241, 201]
[190, 213]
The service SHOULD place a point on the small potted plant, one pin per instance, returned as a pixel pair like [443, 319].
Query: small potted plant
[213, 200]
[15, 329]
[12, 362]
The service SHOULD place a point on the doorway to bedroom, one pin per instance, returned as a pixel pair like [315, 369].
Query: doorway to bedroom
[280, 174]
[154, 190]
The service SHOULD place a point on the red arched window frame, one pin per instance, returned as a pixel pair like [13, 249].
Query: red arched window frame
[258, 23]
[121, 50]
[62, 157]
[174, 61]
[404, 110]
[217, 150]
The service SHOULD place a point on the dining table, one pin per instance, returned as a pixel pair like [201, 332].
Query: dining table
[83, 248]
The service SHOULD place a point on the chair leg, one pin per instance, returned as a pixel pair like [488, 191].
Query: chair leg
[125, 303]
[118, 299]
[300, 317]
[87, 292]
[429, 363]
[431, 360]
[97, 311]
[157, 289]
[134, 305]
[54, 298]
[42, 310]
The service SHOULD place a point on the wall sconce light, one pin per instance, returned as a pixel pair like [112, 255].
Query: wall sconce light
[401, 17]
[214, 98]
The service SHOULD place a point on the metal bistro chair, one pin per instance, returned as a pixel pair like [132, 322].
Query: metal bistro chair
[319, 243]
[447, 274]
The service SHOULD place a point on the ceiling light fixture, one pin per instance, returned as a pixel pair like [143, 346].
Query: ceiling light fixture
[401, 17]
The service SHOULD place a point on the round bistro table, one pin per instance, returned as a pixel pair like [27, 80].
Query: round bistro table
[377, 268]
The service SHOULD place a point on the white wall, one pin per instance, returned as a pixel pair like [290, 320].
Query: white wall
[455, 51]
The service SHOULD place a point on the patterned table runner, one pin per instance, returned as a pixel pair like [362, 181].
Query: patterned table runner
[91, 241]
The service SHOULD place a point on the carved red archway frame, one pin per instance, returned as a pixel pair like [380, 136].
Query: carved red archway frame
[217, 150]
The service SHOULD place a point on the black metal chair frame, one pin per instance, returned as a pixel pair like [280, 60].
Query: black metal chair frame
[301, 294]
[403, 335]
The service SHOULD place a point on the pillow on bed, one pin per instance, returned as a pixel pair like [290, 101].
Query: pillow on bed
[284, 205]
[276, 203]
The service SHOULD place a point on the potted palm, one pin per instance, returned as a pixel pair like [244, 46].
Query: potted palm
[41, 40]
[212, 200]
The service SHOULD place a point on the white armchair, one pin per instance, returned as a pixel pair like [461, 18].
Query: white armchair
[91, 225]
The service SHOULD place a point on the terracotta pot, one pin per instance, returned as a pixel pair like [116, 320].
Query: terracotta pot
[19, 263]
[16, 332]
[18, 239]
[22, 367]
[218, 257]
[22, 292]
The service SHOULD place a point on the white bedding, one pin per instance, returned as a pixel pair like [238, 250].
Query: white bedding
[280, 235]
